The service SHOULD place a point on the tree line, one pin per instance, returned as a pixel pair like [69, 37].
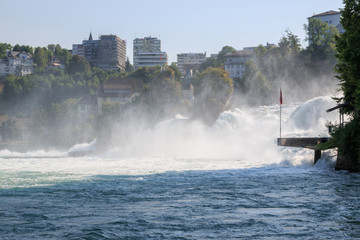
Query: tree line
[42, 55]
[347, 138]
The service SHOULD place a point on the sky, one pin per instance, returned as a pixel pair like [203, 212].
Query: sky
[183, 26]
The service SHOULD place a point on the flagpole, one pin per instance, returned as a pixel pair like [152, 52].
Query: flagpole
[280, 110]
[280, 120]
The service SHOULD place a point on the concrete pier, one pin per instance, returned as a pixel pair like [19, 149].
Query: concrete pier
[310, 143]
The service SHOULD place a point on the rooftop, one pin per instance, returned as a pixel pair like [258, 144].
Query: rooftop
[241, 53]
[16, 54]
[331, 12]
[119, 84]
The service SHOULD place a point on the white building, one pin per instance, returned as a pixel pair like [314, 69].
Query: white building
[189, 63]
[146, 44]
[147, 53]
[235, 62]
[150, 59]
[330, 17]
[16, 63]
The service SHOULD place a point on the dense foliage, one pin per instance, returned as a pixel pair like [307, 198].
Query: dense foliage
[78, 64]
[321, 38]
[348, 68]
[213, 90]
[55, 86]
[3, 48]
[50, 101]
[300, 72]
[42, 55]
[219, 60]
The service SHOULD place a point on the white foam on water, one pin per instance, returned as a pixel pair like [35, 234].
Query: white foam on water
[32, 154]
[83, 147]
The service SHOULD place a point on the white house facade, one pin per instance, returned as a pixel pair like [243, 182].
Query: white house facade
[330, 17]
[16, 63]
[235, 62]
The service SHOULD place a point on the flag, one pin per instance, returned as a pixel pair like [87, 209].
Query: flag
[281, 98]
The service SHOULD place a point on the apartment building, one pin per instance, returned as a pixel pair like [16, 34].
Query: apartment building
[147, 52]
[189, 63]
[108, 53]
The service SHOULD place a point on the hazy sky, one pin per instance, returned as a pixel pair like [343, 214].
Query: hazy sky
[182, 25]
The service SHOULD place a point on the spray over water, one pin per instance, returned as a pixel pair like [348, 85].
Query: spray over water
[240, 138]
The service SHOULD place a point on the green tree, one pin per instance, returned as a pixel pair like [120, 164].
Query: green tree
[78, 64]
[3, 48]
[257, 86]
[348, 69]
[219, 60]
[51, 47]
[212, 93]
[58, 52]
[62, 54]
[12, 89]
[65, 56]
[321, 37]
[17, 48]
[23, 48]
[177, 73]
[100, 74]
[165, 89]
[224, 51]
[128, 67]
[210, 62]
[162, 97]
[290, 42]
[50, 51]
[147, 74]
[41, 58]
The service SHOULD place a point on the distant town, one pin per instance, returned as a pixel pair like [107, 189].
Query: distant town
[109, 53]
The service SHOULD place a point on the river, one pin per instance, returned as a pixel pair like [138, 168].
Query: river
[181, 180]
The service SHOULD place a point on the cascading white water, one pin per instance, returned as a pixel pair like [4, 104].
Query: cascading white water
[240, 138]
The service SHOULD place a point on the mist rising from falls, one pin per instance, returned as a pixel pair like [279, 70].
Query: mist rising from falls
[180, 137]
[240, 138]
[311, 116]
[248, 135]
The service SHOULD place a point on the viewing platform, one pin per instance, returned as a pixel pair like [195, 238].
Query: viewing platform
[306, 142]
